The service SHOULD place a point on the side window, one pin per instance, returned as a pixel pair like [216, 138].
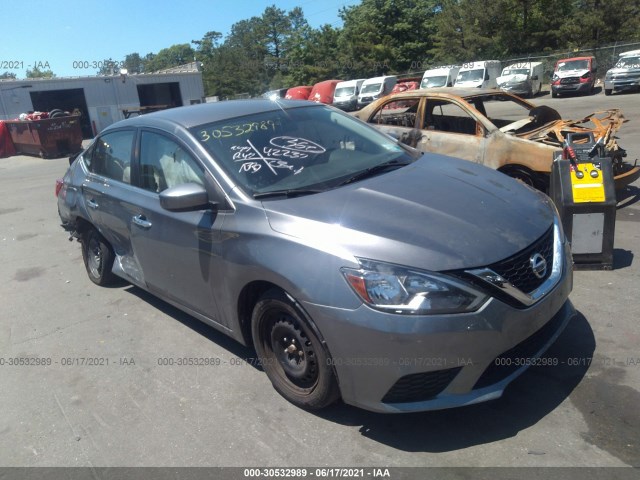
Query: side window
[401, 113]
[445, 116]
[165, 164]
[110, 156]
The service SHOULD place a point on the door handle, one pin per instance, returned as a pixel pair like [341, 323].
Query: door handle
[142, 221]
[91, 203]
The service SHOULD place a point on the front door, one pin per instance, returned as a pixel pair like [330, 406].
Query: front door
[177, 251]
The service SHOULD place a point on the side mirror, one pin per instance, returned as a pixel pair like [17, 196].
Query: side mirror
[184, 198]
[486, 75]
[535, 77]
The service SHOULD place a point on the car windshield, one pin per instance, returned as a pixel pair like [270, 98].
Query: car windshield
[629, 62]
[573, 65]
[303, 149]
[344, 91]
[470, 75]
[371, 88]
[429, 82]
[515, 71]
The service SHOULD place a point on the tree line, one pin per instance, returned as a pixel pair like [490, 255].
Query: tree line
[279, 49]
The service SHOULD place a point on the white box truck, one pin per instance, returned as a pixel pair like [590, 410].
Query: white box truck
[346, 95]
[374, 88]
[524, 78]
[482, 74]
[443, 76]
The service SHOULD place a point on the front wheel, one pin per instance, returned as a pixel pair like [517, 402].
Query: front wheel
[608, 91]
[291, 354]
[98, 258]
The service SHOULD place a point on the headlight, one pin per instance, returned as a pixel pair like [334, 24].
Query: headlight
[402, 290]
[555, 78]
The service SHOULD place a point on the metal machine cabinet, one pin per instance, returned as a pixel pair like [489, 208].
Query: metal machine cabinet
[583, 190]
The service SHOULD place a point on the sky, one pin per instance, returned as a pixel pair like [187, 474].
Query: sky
[67, 35]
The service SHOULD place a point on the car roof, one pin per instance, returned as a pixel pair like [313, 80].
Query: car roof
[193, 115]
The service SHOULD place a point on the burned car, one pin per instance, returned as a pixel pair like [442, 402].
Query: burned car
[496, 129]
[357, 267]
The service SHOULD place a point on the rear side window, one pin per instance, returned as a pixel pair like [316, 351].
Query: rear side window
[110, 156]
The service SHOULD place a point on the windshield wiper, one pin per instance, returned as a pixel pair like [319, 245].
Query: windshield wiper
[291, 192]
[369, 172]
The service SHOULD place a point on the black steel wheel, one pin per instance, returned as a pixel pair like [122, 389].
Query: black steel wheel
[291, 354]
[98, 258]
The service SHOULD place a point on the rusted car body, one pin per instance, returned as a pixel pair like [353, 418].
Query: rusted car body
[496, 129]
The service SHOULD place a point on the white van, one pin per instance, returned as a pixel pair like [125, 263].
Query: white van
[481, 74]
[374, 88]
[440, 76]
[345, 96]
[524, 79]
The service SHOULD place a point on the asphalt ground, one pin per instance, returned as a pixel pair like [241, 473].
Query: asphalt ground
[122, 407]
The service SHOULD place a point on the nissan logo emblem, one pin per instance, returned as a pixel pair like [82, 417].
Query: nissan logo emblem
[538, 265]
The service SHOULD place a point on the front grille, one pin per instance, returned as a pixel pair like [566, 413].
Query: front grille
[517, 269]
[419, 387]
[520, 355]
[570, 80]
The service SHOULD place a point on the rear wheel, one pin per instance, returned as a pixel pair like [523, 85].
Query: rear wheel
[291, 354]
[98, 258]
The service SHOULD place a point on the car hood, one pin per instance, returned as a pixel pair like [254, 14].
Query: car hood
[615, 70]
[516, 78]
[438, 213]
[571, 73]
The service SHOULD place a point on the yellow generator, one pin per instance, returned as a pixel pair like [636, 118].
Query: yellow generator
[583, 189]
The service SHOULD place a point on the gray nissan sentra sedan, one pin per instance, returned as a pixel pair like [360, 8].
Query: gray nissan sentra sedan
[357, 267]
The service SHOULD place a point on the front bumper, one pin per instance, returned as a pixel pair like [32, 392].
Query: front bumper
[400, 363]
[572, 88]
[621, 85]
[522, 88]
[347, 106]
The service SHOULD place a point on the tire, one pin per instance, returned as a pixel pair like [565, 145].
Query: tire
[553, 94]
[98, 258]
[291, 354]
[608, 91]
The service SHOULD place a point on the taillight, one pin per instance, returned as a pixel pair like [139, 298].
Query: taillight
[59, 185]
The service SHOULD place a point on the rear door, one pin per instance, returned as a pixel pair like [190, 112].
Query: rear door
[107, 191]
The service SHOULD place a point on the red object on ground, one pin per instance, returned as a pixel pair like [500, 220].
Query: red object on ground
[6, 144]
